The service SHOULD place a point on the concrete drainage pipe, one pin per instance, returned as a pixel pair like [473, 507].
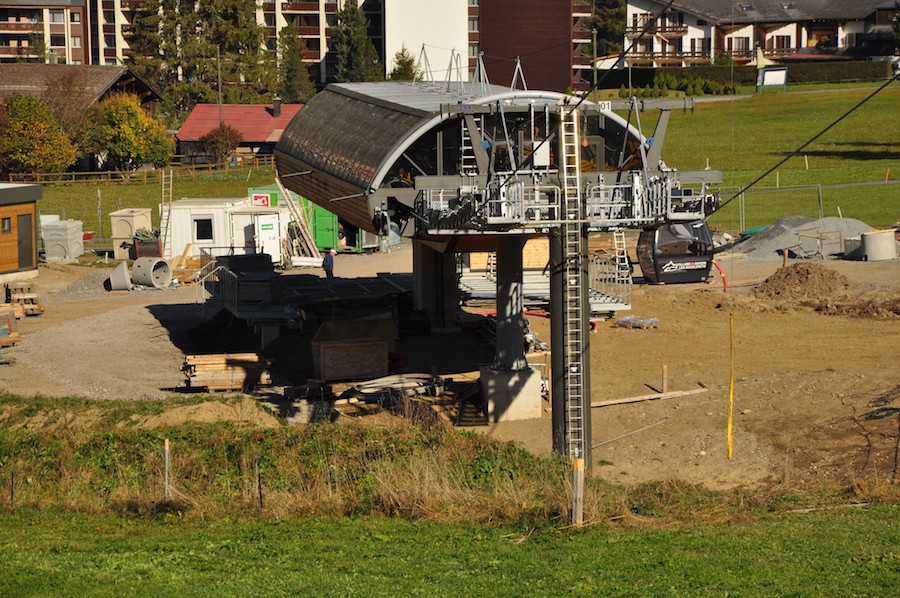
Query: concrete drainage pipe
[151, 272]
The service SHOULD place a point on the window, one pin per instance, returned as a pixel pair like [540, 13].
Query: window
[738, 44]
[473, 24]
[57, 41]
[76, 41]
[780, 42]
[76, 62]
[788, 5]
[57, 16]
[109, 16]
[75, 17]
[269, 19]
[7, 225]
[109, 41]
[745, 6]
[473, 50]
[473, 2]
[203, 229]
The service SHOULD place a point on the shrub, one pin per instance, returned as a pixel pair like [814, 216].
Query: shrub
[220, 142]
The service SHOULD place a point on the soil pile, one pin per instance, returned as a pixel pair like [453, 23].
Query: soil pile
[804, 281]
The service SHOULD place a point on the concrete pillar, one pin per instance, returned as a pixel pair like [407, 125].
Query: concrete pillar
[510, 320]
[435, 288]
[511, 389]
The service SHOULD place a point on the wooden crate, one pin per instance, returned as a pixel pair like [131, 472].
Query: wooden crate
[226, 371]
[341, 352]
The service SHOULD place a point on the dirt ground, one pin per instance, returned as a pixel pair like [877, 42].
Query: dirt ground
[816, 395]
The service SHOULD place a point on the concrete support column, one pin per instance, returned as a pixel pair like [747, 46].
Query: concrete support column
[511, 389]
[510, 320]
[435, 288]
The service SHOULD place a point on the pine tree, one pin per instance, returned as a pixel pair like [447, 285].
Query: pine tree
[405, 67]
[357, 59]
[180, 46]
[609, 21]
[294, 84]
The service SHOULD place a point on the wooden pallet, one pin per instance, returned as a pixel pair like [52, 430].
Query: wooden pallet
[226, 371]
[30, 302]
[13, 339]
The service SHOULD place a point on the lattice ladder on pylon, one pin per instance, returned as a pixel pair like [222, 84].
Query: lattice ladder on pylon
[467, 161]
[165, 217]
[620, 256]
[574, 287]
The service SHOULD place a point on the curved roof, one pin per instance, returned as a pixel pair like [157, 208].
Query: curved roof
[355, 131]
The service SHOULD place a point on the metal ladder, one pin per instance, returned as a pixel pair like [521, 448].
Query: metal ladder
[467, 161]
[620, 256]
[165, 216]
[576, 399]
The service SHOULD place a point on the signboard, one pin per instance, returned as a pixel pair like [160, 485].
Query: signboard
[267, 227]
[772, 77]
[262, 199]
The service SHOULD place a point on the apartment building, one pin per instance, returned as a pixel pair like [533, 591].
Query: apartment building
[553, 41]
[697, 32]
[44, 31]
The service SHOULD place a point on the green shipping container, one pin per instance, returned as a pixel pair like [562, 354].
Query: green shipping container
[323, 223]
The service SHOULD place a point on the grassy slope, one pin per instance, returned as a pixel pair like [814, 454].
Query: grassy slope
[745, 138]
[847, 552]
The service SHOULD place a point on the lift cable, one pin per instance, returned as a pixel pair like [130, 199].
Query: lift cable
[801, 148]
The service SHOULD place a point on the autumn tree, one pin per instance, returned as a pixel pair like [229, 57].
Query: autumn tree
[30, 137]
[126, 137]
[405, 67]
[357, 59]
[220, 142]
[294, 84]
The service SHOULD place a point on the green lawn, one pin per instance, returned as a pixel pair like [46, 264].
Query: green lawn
[848, 552]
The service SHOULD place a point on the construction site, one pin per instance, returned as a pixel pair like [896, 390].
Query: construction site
[518, 263]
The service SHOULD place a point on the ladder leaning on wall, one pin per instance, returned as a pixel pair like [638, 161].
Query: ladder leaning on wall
[165, 215]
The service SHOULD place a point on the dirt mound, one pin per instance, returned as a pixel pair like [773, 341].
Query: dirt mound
[805, 281]
[873, 306]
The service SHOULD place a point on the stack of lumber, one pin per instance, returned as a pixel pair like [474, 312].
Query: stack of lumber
[226, 371]
[185, 266]
[9, 329]
[30, 302]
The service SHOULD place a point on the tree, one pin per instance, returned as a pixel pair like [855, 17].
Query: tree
[294, 84]
[357, 59]
[30, 137]
[220, 142]
[405, 67]
[181, 46]
[609, 21]
[126, 137]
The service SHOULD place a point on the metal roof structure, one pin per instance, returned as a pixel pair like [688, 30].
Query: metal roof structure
[758, 11]
[342, 146]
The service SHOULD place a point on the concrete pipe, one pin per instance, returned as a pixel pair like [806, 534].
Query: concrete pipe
[151, 272]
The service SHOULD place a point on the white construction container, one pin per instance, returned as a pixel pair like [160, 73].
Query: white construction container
[222, 227]
[63, 240]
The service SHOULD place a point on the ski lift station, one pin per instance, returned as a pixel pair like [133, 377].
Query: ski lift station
[477, 167]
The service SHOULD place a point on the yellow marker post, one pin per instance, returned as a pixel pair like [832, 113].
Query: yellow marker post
[731, 385]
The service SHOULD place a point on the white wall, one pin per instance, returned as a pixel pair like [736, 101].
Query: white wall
[440, 24]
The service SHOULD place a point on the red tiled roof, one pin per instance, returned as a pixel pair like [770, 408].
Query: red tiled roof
[255, 122]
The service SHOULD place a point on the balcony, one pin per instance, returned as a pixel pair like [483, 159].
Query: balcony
[299, 7]
[311, 55]
[109, 28]
[665, 29]
[581, 9]
[131, 4]
[579, 36]
[15, 51]
[6, 27]
[109, 52]
[308, 31]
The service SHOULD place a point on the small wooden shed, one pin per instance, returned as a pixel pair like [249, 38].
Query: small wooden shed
[18, 236]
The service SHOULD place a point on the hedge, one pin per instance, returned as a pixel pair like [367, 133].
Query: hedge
[804, 72]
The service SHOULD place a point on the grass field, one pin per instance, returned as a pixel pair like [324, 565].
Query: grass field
[848, 552]
[745, 138]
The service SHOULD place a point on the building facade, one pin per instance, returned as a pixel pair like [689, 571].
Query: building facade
[691, 33]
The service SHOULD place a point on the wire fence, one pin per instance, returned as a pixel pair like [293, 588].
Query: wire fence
[141, 177]
[875, 203]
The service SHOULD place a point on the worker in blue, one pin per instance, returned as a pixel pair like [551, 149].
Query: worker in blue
[328, 263]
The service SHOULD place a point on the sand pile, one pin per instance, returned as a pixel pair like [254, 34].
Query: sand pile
[805, 281]
[783, 234]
